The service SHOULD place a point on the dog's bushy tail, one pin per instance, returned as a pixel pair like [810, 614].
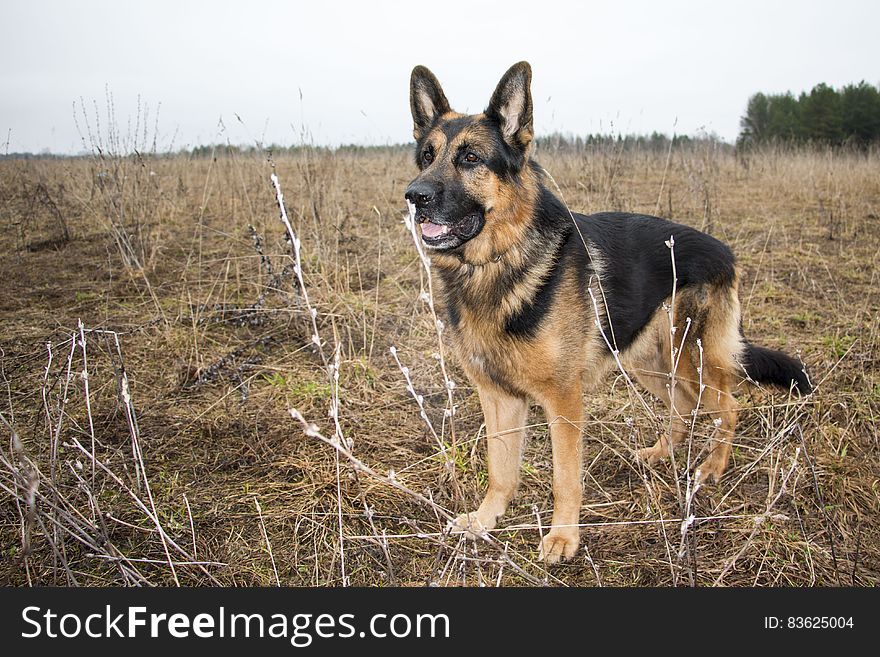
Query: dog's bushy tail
[774, 367]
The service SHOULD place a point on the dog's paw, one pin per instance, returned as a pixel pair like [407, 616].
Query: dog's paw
[471, 524]
[650, 455]
[710, 472]
[559, 544]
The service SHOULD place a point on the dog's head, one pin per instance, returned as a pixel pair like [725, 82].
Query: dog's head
[471, 179]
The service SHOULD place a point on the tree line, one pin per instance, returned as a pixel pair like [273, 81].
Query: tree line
[656, 142]
[829, 116]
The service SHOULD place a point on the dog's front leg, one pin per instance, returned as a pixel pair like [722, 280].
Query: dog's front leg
[505, 418]
[565, 415]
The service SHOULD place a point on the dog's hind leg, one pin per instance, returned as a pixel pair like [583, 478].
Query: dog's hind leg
[716, 400]
[680, 409]
[652, 367]
[722, 342]
[505, 418]
[723, 408]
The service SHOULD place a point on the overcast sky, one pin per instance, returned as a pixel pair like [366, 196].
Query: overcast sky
[603, 66]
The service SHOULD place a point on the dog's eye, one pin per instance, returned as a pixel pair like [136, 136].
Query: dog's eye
[471, 158]
[427, 156]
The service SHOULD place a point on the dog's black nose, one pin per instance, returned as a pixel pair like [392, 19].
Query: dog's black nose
[422, 192]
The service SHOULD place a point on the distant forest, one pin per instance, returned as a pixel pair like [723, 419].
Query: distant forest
[836, 117]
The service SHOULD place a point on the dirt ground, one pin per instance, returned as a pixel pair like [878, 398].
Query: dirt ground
[155, 337]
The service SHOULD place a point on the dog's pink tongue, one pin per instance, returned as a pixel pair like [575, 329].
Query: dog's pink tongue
[432, 230]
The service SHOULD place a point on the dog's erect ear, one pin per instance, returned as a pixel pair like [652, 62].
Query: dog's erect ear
[426, 100]
[511, 105]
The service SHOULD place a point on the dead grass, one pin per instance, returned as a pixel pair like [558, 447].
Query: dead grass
[215, 342]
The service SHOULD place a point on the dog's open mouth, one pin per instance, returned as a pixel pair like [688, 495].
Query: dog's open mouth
[432, 231]
[449, 235]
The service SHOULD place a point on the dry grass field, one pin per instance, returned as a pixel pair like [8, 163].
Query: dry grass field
[155, 336]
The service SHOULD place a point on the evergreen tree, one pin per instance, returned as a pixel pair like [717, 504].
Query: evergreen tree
[821, 115]
[784, 122]
[755, 124]
[860, 113]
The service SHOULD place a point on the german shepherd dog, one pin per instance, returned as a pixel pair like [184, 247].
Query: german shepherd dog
[543, 303]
